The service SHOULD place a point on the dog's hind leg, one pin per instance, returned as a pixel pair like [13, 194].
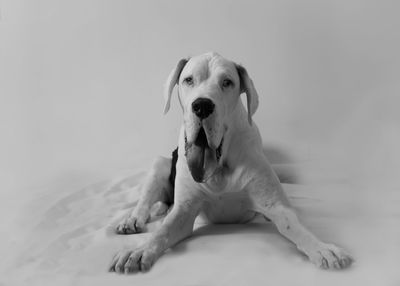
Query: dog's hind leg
[156, 188]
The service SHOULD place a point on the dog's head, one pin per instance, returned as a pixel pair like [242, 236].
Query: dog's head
[209, 88]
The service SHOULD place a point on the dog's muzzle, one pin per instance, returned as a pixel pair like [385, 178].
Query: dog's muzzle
[201, 158]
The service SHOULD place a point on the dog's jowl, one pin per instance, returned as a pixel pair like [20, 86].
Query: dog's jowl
[219, 171]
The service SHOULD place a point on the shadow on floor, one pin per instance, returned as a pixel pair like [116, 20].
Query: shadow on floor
[282, 163]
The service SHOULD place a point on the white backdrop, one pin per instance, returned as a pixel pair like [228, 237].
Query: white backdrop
[81, 81]
[81, 85]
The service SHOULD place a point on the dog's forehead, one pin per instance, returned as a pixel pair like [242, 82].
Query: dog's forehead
[210, 64]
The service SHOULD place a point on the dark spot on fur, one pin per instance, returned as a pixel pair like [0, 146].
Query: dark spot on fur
[186, 146]
[218, 152]
[172, 174]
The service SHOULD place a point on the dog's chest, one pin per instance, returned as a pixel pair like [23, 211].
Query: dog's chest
[232, 207]
[227, 201]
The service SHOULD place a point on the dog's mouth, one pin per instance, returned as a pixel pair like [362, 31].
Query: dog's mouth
[201, 158]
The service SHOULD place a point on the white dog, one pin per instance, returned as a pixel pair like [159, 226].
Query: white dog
[221, 170]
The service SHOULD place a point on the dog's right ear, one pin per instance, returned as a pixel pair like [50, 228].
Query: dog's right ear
[171, 82]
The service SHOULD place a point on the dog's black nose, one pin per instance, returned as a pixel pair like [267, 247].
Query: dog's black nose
[203, 107]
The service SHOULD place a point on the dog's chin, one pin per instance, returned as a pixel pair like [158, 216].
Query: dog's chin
[201, 158]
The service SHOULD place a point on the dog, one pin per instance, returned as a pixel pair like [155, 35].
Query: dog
[219, 170]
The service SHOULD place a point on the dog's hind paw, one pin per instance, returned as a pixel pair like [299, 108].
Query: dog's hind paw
[130, 225]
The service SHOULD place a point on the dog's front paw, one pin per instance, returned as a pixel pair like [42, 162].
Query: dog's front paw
[138, 260]
[329, 256]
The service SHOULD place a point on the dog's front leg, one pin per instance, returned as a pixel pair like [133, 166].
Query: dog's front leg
[322, 254]
[178, 225]
[270, 200]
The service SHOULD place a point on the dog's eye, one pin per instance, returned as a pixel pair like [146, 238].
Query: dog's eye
[188, 80]
[227, 83]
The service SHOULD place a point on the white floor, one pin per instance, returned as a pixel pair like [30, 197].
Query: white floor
[66, 238]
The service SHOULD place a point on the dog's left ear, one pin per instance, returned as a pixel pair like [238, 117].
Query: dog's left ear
[247, 86]
[171, 82]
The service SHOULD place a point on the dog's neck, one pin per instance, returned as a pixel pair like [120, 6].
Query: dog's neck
[239, 118]
[239, 131]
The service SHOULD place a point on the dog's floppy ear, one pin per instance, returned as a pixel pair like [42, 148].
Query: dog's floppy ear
[171, 82]
[247, 86]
